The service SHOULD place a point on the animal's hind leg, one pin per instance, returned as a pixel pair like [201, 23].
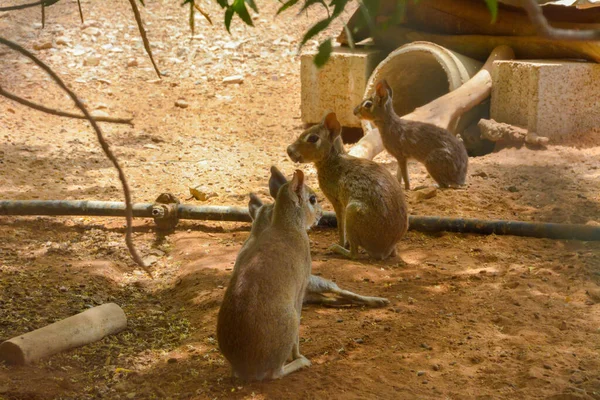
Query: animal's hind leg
[442, 167]
[298, 363]
[317, 285]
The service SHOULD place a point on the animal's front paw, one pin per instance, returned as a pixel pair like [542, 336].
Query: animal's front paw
[336, 248]
[376, 301]
[305, 362]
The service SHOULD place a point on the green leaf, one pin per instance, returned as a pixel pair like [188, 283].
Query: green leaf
[338, 7]
[315, 30]
[349, 37]
[142, 1]
[252, 5]
[48, 3]
[239, 6]
[323, 54]
[228, 17]
[286, 5]
[493, 7]
[309, 3]
[223, 3]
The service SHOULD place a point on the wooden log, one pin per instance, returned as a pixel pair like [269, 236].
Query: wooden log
[499, 131]
[479, 46]
[78, 330]
[467, 17]
[445, 110]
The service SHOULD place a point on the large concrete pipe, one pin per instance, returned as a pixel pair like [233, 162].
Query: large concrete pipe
[419, 73]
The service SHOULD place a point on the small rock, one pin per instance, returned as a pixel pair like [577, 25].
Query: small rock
[426, 346]
[45, 45]
[90, 22]
[594, 295]
[359, 341]
[63, 289]
[511, 285]
[181, 103]
[172, 360]
[132, 62]
[79, 51]
[151, 146]
[99, 113]
[563, 326]
[202, 193]
[150, 260]
[425, 382]
[420, 373]
[91, 61]
[546, 366]
[339, 320]
[435, 367]
[130, 395]
[92, 30]
[426, 193]
[512, 189]
[63, 41]
[481, 174]
[233, 79]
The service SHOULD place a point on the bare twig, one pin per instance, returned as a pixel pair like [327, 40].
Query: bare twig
[534, 10]
[129, 211]
[204, 13]
[138, 19]
[80, 11]
[43, 15]
[59, 113]
[20, 6]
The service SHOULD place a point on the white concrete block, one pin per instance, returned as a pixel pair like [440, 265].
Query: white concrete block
[339, 86]
[550, 98]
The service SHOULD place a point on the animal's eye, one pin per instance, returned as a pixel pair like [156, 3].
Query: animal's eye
[313, 199]
[312, 139]
[368, 104]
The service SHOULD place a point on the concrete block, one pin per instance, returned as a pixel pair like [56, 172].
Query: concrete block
[550, 98]
[339, 86]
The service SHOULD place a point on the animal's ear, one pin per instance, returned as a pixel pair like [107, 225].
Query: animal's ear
[254, 205]
[388, 88]
[276, 180]
[297, 184]
[383, 90]
[333, 125]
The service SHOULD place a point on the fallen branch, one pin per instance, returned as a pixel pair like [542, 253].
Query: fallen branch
[81, 329]
[498, 131]
[138, 20]
[59, 113]
[443, 111]
[536, 15]
[129, 213]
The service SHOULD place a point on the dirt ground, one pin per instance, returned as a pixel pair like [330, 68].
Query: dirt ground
[471, 317]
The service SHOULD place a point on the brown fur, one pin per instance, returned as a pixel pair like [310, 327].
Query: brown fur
[444, 156]
[369, 203]
[317, 287]
[259, 320]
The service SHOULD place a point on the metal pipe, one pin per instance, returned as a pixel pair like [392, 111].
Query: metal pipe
[240, 214]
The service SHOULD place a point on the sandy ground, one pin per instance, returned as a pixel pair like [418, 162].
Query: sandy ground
[471, 317]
